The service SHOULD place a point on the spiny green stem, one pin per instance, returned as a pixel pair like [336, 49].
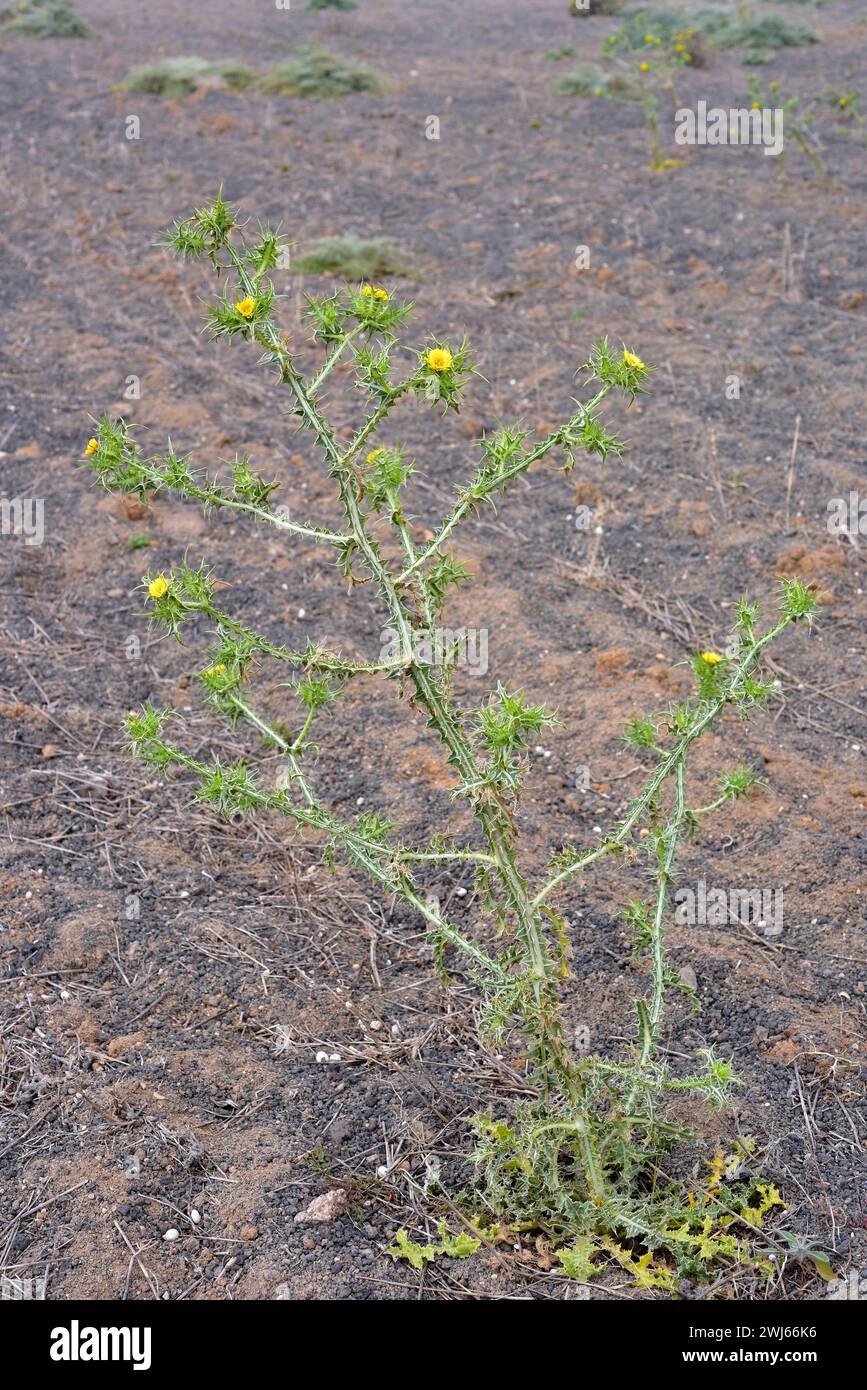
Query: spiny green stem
[214, 497]
[334, 357]
[464, 508]
[668, 762]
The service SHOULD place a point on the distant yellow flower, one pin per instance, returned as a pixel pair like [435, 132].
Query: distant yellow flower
[367, 290]
[644, 67]
[218, 670]
[381, 294]
[843, 101]
[648, 38]
[374, 455]
[439, 359]
[158, 586]
[245, 307]
[678, 48]
[757, 106]
[711, 658]
[632, 361]
[92, 446]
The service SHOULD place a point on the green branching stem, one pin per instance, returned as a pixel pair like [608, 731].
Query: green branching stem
[467, 503]
[705, 715]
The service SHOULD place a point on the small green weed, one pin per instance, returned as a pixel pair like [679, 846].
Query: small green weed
[44, 19]
[355, 258]
[314, 72]
[590, 80]
[179, 77]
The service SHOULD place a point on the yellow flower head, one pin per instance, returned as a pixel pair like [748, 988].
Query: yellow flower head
[374, 455]
[678, 47]
[218, 670]
[756, 106]
[158, 586]
[381, 294]
[439, 359]
[711, 658]
[367, 290]
[92, 446]
[648, 38]
[245, 307]
[632, 361]
[644, 67]
[843, 101]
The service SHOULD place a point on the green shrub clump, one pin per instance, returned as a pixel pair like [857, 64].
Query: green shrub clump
[45, 19]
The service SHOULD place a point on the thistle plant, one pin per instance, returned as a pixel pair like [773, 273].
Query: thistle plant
[654, 53]
[579, 1161]
[847, 107]
[798, 125]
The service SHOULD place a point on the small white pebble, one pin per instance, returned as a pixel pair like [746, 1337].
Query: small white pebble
[64, 994]
[597, 830]
[322, 1056]
[195, 1217]
[335, 1057]
[461, 892]
[382, 1170]
[302, 612]
[171, 1234]
[395, 1030]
